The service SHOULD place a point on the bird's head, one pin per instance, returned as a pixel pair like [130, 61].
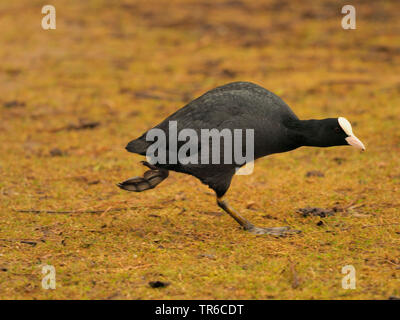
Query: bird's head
[338, 132]
[324, 133]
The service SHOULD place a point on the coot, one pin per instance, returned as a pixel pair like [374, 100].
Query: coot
[235, 106]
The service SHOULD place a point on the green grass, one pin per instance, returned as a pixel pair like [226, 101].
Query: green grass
[129, 65]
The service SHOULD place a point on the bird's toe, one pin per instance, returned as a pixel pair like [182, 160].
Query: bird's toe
[277, 231]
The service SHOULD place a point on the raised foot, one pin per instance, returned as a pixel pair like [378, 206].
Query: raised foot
[277, 231]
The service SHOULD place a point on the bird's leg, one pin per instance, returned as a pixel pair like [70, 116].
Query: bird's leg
[248, 226]
[148, 165]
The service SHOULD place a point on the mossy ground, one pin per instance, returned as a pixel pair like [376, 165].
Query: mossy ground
[126, 65]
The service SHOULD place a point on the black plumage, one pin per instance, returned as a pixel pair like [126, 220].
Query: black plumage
[238, 105]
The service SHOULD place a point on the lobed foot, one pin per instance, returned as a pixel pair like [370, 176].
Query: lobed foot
[277, 231]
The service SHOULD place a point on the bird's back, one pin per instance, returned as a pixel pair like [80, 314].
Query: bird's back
[229, 101]
[237, 105]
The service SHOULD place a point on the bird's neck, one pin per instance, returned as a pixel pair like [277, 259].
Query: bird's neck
[304, 132]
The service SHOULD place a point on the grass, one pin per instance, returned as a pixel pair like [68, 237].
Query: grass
[120, 69]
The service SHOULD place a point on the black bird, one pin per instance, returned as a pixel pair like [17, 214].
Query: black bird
[237, 105]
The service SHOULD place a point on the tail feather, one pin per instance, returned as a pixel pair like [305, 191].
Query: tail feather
[150, 180]
[138, 146]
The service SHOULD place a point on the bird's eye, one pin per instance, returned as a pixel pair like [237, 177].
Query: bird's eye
[337, 129]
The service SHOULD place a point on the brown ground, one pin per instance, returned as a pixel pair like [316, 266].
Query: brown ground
[71, 98]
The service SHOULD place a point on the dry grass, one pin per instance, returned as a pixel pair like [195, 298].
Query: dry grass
[124, 67]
